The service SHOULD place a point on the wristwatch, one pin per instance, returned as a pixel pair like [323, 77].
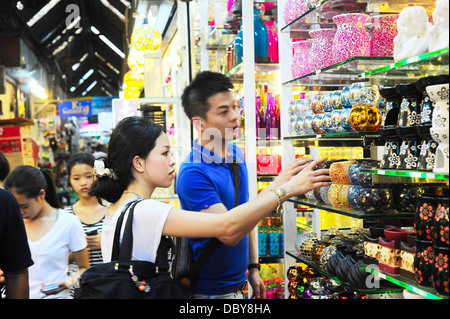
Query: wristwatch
[279, 192]
[258, 266]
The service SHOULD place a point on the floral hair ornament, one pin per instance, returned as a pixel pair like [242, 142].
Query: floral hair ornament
[100, 170]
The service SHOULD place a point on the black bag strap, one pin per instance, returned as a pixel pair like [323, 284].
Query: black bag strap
[122, 252]
[213, 243]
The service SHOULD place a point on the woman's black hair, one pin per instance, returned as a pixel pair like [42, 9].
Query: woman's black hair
[80, 158]
[29, 181]
[133, 136]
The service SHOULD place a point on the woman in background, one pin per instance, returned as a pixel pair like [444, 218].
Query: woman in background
[52, 233]
[91, 213]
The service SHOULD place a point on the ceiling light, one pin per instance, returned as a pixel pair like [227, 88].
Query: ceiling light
[75, 66]
[113, 10]
[42, 12]
[112, 46]
[95, 30]
[37, 90]
[88, 74]
[19, 6]
[91, 86]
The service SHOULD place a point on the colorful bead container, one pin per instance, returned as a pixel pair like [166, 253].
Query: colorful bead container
[383, 34]
[351, 38]
[300, 61]
[321, 55]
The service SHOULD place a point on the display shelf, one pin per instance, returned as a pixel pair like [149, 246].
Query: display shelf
[312, 264]
[348, 211]
[348, 139]
[321, 15]
[260, 68]
[404, 282]
[18, 121]
[386, 6]
[355, 135]
[338, 75]
[411, 69]
[410, 174]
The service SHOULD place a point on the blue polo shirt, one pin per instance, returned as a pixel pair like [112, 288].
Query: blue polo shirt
[205, 179]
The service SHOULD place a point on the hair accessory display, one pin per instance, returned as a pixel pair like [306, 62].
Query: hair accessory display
[101, 171]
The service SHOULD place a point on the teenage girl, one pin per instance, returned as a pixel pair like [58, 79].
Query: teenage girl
[52, 233]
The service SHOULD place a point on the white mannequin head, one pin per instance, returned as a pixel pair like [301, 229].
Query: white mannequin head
[441, 13]
[416, 14]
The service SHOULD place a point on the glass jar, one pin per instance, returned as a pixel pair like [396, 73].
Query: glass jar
[300, 60]
[365, 115]
[375, 200]
[351, 37]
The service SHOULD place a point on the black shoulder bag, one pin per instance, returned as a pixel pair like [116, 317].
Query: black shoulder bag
[186, 269]
[123, 278]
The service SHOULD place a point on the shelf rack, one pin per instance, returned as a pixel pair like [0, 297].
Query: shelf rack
[316, 267]
[408, 70]
[406, 283]
[348, 211]
[406, 176]
[340, 74]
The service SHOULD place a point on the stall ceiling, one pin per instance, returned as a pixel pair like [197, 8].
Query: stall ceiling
[82, 43]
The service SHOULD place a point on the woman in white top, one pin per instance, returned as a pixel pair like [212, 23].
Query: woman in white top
[139, 160]
[52, 233]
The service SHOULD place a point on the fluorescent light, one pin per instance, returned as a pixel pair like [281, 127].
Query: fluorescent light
[95, 30]
[88, 74]
[112, 46]
[91, 86]
[42, 12]
[72, 89]
[75, 66]
[113, 10]
[108, 42]
[38, 90]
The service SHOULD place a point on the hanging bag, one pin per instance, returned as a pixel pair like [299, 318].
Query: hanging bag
[123, 278]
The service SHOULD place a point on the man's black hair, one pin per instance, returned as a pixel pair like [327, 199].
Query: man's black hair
[205, 85]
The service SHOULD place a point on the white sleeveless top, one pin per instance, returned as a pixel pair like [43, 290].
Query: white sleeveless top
[149, 218]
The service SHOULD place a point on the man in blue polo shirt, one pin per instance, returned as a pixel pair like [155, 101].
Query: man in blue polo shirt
[205, 182]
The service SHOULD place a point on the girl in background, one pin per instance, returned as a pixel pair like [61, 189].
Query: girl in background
[52, 233]
[91, 213]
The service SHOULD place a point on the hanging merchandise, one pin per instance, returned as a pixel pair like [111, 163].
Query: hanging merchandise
[135, 59]
[146, 37]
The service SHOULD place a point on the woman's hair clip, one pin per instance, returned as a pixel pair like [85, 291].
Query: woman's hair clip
[100, 170]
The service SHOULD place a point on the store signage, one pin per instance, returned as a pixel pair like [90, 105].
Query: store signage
[77, 108]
